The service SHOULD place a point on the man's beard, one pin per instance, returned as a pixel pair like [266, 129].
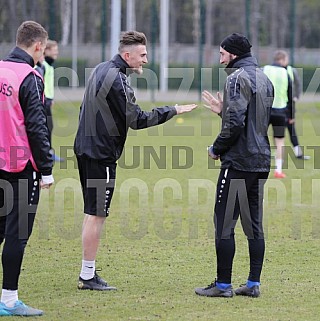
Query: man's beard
[230, 58]
[138, 71]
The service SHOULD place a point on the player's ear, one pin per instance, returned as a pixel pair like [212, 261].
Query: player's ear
[126, 55]
[38, 46]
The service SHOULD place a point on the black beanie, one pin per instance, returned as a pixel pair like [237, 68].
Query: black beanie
[236, 44]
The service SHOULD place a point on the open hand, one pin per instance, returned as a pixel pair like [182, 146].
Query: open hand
[185, 108]
[214, 104]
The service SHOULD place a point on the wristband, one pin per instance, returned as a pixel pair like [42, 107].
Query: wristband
[47, 179]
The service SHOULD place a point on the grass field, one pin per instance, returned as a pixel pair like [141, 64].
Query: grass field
[158, 243]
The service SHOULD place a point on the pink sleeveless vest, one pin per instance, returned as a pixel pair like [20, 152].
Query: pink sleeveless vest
[15, 149]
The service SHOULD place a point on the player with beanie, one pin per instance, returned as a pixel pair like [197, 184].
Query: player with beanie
[244, 151]
[236, 44]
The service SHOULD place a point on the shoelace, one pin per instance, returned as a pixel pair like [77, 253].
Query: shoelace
[211, 285]
[98, 278]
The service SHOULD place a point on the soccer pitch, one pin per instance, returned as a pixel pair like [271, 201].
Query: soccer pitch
[158, 243]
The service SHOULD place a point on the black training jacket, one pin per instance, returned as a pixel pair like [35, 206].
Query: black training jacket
[109, 109]
[30, 98]
[243, 142]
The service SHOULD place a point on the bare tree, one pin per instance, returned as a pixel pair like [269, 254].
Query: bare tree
[283, 34]
[65, 21]
[209, 34]
[196, 21]
[274, 23]
[131, 15]
[173, 22]
[269, 23]
[81, 20]
[13, 20]
[256, 24]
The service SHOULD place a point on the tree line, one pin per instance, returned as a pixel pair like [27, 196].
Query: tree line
[266, 22]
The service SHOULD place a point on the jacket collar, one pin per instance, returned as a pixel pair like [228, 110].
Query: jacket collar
[122, 65]
[49, 60]
[19, 55]
[241, 61]
[278, 65]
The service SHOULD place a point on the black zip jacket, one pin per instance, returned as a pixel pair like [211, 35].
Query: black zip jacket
[243, 142]
[109, 109]
[30, 98]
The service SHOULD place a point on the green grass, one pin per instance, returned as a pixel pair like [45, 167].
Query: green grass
[158, 242]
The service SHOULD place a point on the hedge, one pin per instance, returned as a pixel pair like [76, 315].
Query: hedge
[185, 77]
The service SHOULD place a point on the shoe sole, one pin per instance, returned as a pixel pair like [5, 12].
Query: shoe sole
[248, 294]
[91, 289]
[5, 313]
[84, 287]
[215, 296]
[20, 315]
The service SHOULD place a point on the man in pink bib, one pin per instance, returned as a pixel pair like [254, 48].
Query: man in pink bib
[25, 159]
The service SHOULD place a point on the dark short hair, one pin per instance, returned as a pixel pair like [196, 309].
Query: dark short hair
[30, 32]
[132, 38]
[51, 44]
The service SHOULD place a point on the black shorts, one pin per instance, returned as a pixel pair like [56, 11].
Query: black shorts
[19, 197]
[97, 181]
[278, 120]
